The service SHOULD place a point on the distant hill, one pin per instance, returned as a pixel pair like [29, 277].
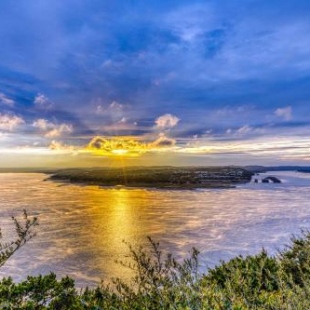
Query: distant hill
[159, 177]
[258, 169]
[27, 170]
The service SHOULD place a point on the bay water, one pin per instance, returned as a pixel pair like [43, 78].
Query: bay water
[82, 228]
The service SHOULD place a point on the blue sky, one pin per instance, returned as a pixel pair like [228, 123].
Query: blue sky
[216, 81]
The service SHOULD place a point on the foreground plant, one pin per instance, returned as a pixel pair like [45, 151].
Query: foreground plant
[159, 281]
[24, 231]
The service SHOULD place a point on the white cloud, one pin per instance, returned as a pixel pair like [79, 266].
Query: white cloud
[163, 141]
[42, 102]
[41, 124]
[10, 122]
[244, 130]
[167, 121]
[229, 110]
[52, 130]
[5, 100]
[116, 106]
[123, 120]
[99, 109]
[55, 145]
[59, 130]
[285, 113]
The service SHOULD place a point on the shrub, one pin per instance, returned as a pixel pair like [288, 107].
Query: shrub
[24, 232]
[161, 282]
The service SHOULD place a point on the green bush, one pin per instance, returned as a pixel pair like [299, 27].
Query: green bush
[161, 282]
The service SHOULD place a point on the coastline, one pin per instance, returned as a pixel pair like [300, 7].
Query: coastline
[168, 178]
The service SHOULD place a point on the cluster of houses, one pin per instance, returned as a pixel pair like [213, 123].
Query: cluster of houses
[233, 175]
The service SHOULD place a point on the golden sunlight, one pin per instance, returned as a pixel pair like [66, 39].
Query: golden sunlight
[119, 152]
[127, 146]
[118, 146]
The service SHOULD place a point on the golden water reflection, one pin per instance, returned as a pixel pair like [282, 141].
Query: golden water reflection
[115, 222]
[82, 227]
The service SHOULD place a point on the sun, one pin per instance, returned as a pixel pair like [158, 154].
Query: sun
[119, 152]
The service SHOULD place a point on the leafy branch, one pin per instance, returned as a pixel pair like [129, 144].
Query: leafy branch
[24, 231]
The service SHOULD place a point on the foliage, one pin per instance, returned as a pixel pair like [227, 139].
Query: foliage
[24, 232]
[161, 282]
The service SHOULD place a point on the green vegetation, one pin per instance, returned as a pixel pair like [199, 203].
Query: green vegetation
[159, 177]
[161, 282]
[24, 232]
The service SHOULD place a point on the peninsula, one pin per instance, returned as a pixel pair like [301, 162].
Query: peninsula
[157, 177]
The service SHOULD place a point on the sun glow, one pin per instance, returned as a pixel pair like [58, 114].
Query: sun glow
[118, 146]
[119, 152]
[127, 146]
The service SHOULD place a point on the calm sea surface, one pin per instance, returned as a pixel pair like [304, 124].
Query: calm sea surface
[82, 227]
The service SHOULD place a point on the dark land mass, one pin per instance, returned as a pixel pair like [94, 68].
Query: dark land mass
[304, 170]
[157, 177]
[28, 170]
[260, 169]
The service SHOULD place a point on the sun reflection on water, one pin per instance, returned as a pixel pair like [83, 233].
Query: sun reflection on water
[117, 224]
[82, 227]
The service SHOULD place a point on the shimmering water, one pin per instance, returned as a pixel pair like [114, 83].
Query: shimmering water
[82, 227]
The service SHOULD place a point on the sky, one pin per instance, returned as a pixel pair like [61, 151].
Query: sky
[87, 83]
